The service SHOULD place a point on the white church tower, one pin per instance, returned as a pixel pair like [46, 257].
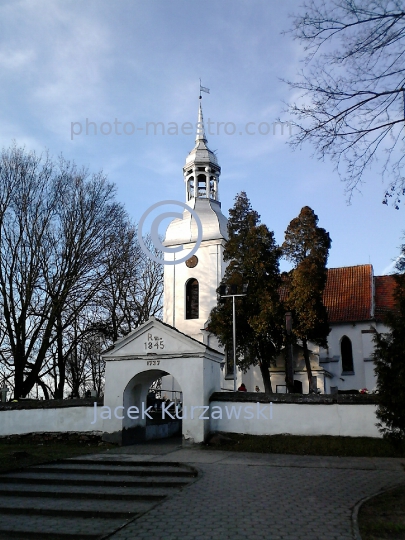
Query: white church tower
[190, 286]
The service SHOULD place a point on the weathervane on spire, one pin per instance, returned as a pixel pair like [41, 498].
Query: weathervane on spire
[203, 89]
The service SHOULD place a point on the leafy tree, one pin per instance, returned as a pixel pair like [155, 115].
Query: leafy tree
[352, 103]
[253, 260]
[390, 369]
[307, 246]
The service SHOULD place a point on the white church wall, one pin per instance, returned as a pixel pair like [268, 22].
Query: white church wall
[252, 378]
[362, 347]
[277, 372]
[370, 379]
[363, 376]
[295, 419]
[367, 344]
[64, 419]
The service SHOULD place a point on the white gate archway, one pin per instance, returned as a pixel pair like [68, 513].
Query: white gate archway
[152, 350]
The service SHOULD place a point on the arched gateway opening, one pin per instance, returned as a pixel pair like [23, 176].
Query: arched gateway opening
[152, 351]
[152, 403]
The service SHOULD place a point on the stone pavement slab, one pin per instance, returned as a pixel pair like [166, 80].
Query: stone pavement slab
[250, 496]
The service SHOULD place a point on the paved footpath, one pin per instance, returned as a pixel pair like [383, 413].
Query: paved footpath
[246, 496]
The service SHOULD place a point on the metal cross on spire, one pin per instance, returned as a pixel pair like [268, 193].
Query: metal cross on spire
[203, 89]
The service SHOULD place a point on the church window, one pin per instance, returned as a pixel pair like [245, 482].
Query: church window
[347, 355]
[192, 299]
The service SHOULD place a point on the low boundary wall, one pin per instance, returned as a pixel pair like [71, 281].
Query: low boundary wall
[240, 412]
[339, 415]
[48, 416]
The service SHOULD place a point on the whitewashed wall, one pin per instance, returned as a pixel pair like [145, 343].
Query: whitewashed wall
[295, 418]
[350, 420]
[129, 375]
[363, 349]
[208, 272]
[63, 419]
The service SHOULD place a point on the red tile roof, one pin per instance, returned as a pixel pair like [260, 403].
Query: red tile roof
[384, 295]
[348, 295]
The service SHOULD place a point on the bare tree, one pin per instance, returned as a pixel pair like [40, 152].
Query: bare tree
[84, 366]
[57, 224]
[130, 294]
[352, 107]
[149, 294]
[133, 289]
[72, 275]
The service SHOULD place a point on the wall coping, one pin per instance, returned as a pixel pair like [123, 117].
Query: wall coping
[49, 404]
[305, 399]
[233, 397]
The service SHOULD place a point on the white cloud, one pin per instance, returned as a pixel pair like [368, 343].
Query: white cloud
[63, 72]
[63, 62]
[390, 269]
[16, 60]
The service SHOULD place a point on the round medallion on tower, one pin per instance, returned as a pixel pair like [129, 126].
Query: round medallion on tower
[192, 262]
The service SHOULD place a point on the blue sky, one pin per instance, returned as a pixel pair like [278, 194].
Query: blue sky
[135, 62]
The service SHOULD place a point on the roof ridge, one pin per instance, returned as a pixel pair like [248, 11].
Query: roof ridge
[352, 266]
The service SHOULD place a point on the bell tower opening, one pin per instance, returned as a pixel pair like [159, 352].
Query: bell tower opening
[201, 171]
[202, 185]
[190, 187]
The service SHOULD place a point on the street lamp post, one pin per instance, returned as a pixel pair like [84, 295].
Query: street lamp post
[289, 371]
[233, 296]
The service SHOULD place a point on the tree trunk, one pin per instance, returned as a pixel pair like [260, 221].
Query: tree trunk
[59, 387]
[308, 365]
[20, 363]
[44, 388]
[18, 379]
[264, 370]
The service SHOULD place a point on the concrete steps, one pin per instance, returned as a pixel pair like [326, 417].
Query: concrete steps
[103, 469]
[97, 479]
[84, 499]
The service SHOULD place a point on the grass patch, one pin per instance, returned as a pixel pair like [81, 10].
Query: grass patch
[16, 454]
[324, 445]
[383, 516]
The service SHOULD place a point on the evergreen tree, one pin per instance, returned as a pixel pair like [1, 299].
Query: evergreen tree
[390, 368]
[254, 261]
[307, 246]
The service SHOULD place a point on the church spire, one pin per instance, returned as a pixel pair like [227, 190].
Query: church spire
[200, 134]
[202, 170]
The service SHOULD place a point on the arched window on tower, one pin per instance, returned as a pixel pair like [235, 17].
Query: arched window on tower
[192, 300]
[347, 355]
